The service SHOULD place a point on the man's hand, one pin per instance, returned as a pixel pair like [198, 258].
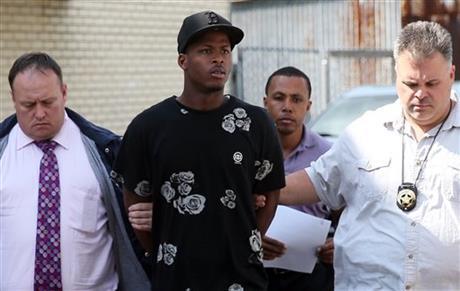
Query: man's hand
[259, 201]
[140, 216]
[272, 248]
[326, 252]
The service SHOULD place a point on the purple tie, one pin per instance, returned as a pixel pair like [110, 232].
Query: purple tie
[48, 244]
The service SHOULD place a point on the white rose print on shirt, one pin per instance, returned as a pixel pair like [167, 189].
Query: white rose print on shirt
[229, 199]
[168, 191]
[192, 204]
[237, 119]
[116, 177]
[160, 253]
[255, 241]
[185, 203]
[240, 113]
[263, 169]
[184, 189]
[229, 123]
[186, 177]
[166, 253]
[143, 189]
[235, 287]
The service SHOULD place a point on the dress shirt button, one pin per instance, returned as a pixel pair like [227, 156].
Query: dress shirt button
[410, 256]
[107, 150]
[418, 162]
[413, 223]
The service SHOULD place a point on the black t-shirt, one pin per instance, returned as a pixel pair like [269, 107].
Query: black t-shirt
[201, 169]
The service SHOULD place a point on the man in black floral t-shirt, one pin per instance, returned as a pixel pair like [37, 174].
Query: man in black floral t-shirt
[200, 157]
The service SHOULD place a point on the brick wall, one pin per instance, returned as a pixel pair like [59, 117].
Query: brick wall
[118, 57]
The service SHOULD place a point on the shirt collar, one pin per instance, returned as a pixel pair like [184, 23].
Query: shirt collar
[454, 117]
[393, 118]
[63, 137]
[22, 140]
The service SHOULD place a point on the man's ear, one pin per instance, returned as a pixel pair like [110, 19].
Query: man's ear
[265, 101]
[452, 72]
[308, 104]
[64, 92]
[182, 61]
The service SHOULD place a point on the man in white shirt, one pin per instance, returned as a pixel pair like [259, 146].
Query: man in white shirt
[397, 172]
[89, 248]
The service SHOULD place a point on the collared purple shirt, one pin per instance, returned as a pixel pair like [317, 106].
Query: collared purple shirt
[311, 147]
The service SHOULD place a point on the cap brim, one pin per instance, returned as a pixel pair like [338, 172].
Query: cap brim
[235, 34]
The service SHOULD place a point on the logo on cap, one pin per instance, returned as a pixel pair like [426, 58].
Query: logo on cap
[212, 17]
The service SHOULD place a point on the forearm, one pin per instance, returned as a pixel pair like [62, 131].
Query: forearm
[299, 190]
[144, 237]
[265, 214]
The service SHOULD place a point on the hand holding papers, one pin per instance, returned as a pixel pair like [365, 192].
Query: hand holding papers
[302, 234]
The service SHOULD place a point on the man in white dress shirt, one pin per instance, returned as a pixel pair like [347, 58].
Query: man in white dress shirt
[397, 172]
[95, 252]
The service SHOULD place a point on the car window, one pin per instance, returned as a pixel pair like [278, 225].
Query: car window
[342, 112]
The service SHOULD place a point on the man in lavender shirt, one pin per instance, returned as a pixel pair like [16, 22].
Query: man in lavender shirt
[288, 102]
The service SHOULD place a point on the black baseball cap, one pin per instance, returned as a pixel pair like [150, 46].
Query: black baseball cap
[198, 23]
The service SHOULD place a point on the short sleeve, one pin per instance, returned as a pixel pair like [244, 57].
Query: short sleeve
[326, 174]
[132, 164]
[269, 165]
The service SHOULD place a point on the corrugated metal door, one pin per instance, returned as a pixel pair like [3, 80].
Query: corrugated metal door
[339, 44]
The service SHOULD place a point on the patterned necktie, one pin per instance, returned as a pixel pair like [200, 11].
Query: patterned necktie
[48, 244]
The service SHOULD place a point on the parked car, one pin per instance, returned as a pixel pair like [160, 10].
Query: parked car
[349, 106]
[352, 104]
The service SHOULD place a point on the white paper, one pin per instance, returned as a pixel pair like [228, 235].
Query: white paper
[302, 234]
